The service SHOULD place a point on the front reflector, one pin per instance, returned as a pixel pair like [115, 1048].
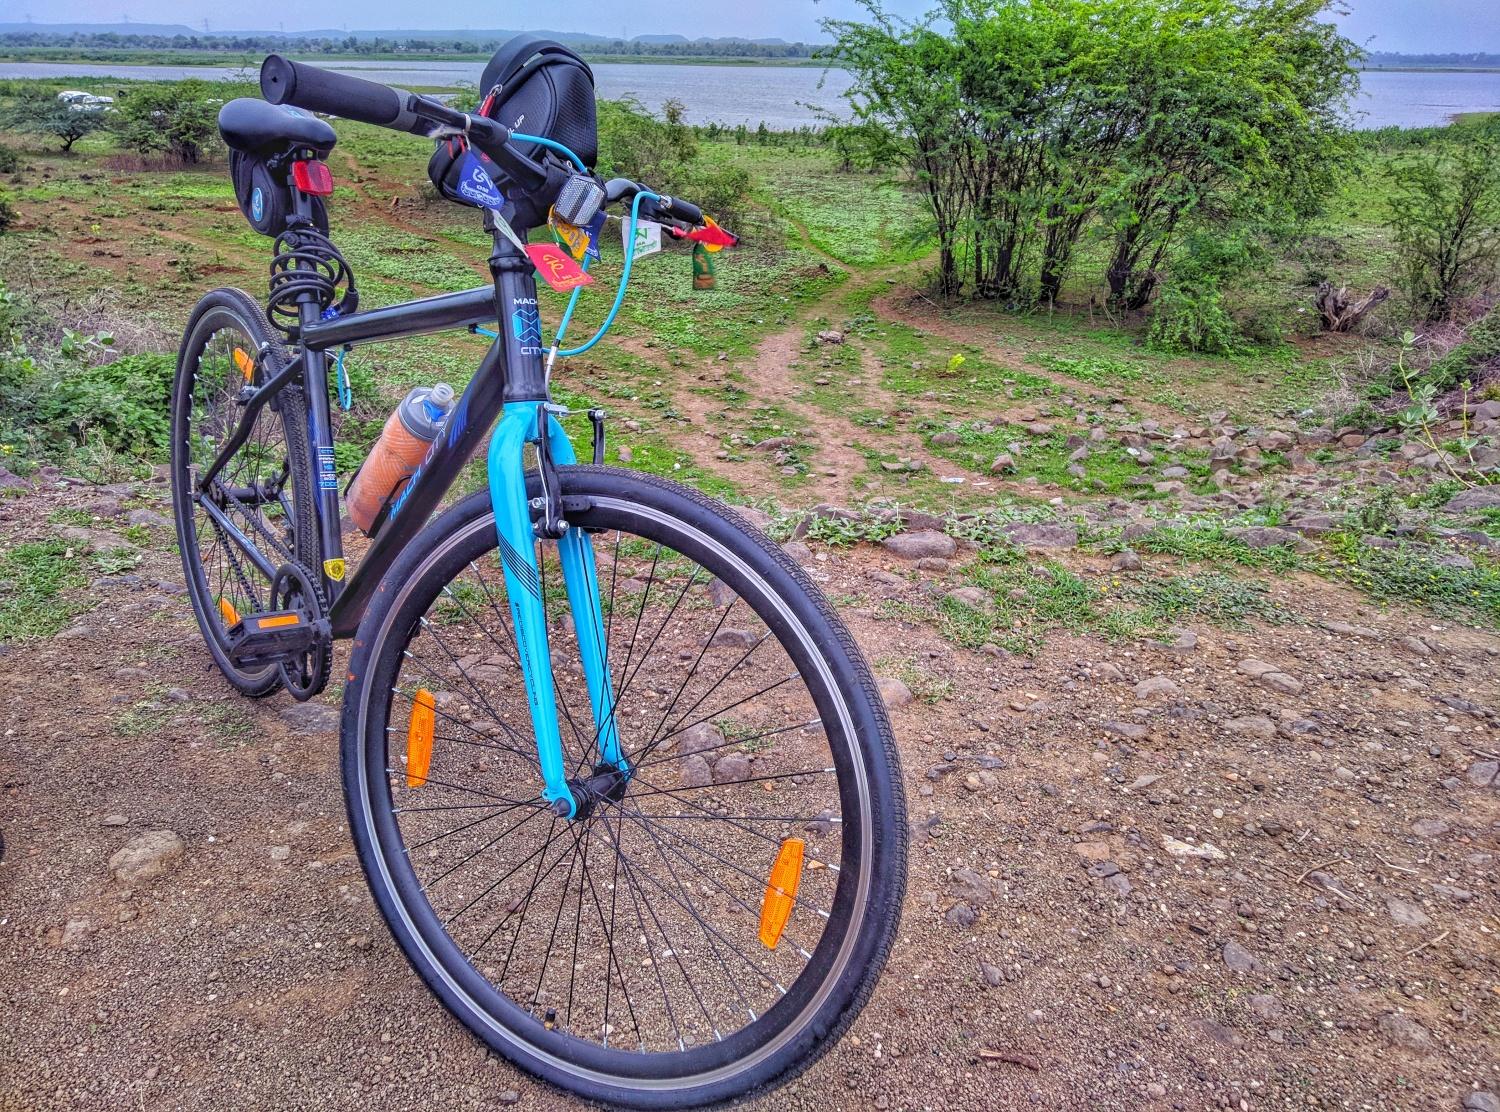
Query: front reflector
[419, 729]
[781, 892]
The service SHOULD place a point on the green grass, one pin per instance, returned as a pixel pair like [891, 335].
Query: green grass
[1409, 574]
[35, 581]
[1027, 601]
[1202, 541]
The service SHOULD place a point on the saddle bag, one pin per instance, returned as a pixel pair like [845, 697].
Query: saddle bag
[534, 86]
[264, 192]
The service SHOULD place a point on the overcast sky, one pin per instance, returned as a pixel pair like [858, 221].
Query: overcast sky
[1411, 25]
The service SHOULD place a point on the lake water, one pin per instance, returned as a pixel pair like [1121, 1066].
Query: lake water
[791, 96]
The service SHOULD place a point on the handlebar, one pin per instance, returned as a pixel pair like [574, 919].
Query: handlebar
[283, 81]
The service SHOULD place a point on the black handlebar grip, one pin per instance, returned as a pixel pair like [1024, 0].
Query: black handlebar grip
[283, 81]
[679, 209]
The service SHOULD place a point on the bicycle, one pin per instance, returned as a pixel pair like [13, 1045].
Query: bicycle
[619, 778]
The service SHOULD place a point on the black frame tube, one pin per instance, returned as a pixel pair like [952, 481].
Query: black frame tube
[410, 318]
[511, 371]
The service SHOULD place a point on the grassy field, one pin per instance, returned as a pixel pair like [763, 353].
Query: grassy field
[913, 406]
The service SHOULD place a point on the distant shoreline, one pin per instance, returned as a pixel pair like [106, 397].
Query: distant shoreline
[230, 59]
[147, 57]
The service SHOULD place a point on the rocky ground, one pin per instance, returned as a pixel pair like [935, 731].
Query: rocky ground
[1248, 868]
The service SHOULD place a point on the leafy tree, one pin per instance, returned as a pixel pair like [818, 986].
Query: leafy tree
[1239, 118]
[37, 111]
[1445, 217]
[180, 119]
[1030, 123]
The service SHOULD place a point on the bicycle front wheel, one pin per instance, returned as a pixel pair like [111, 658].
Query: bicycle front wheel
[634, 955]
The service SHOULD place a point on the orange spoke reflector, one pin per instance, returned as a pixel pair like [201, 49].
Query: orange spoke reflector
[781, 892]
[245, 362]
[419, 738]
[227, 611]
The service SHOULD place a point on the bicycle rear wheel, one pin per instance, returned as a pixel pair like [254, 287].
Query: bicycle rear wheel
[263, 497]
[626, 955]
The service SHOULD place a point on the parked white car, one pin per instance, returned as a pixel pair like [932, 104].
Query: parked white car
[80, 101]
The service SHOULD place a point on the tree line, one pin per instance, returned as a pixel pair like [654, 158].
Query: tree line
[1154, 132]
[351, 44]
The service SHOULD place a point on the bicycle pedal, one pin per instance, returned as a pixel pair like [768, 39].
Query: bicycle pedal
[271, 637]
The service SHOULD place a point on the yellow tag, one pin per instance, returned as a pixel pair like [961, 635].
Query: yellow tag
[711, 248]
[576, 239]
[334, 569]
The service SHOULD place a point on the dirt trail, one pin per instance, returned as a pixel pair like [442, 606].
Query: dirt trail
[770, 378]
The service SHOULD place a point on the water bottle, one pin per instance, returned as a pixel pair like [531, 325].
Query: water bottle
[402, 447]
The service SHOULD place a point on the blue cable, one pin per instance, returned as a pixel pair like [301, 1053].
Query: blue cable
[635, 209]
[552, 144]
[609, 320]
[341, 379]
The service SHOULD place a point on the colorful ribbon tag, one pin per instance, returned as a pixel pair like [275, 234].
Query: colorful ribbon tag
[713, 237]
[595, 226]
[647, 238]
[574, 238]
[556, 267]
[476, 186]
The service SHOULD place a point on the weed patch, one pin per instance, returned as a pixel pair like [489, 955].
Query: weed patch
[33, 580]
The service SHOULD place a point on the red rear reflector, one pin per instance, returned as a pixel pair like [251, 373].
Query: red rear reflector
[313, 177]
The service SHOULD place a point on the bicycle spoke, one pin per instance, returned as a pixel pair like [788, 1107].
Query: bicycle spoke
[656, 889]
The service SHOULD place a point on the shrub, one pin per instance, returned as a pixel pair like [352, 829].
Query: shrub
[1190, 314]
[37, 111]
[1480, 349]
[10, 161]
[181, 119]
[122, 405]
[634, 144]
[664, 154]
[8, 214]
[1445, 218]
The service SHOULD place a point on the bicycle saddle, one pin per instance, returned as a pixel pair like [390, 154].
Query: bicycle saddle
[255, 127]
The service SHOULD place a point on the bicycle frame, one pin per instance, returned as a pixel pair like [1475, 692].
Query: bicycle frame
[510, 388]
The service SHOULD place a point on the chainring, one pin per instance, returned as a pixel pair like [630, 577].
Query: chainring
[307, 676]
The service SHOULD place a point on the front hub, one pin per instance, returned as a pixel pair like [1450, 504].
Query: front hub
[607, 784]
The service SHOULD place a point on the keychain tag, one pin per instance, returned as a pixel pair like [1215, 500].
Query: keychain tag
[576, 239]
[476, 186]
[557, 269]
[595, 226]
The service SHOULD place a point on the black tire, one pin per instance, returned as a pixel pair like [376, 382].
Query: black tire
[866, 886]
[204, 413]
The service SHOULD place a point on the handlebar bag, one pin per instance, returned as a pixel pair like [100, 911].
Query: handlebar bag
[263, 189]
[531, 85]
